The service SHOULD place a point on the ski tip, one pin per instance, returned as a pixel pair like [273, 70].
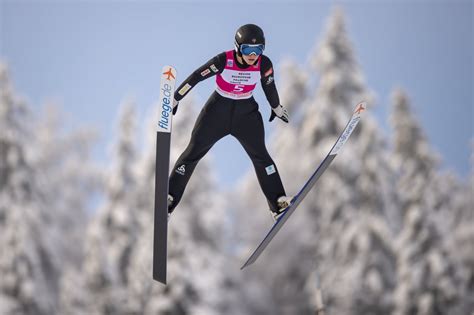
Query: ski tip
[361, 106]
[169, 73]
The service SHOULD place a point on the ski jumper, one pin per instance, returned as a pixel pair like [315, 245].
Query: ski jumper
[230, 110]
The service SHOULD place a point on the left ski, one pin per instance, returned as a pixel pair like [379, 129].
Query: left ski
[163, 142]
[309, 184]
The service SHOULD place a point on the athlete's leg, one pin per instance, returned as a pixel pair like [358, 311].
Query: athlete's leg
[247, 127]
[212, 124]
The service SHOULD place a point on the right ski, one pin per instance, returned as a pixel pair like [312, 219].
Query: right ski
[163, 142]
[308, 185]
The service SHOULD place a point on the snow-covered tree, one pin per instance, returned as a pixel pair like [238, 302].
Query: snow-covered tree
[452, 207]
[351, 204]
[29, 275]
[64, 162]
[427, 276]
[42, 206]
[113, 232]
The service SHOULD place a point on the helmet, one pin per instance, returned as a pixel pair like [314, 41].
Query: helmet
[249, 34]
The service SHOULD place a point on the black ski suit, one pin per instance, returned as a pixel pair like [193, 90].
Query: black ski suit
[222, 116]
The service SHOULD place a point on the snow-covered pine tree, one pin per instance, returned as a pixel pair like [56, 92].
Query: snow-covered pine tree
[113, 232]
[29, 275]
[427, 276]
[451, 201]
[69, 181]
[352, 202]
[63, 160]
[42, 206]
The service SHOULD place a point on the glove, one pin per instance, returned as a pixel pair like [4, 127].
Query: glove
[175, 106]
[280, 112]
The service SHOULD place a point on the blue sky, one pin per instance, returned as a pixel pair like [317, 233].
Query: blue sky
[89, 56]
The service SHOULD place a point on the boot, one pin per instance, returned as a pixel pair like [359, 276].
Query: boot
[283, 203]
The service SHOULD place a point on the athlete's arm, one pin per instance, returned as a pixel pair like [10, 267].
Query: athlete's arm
[212, 67]
[269, 87]
[268, 82]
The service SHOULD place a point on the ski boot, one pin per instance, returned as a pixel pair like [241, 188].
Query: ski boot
[283, 202]
[170, 204]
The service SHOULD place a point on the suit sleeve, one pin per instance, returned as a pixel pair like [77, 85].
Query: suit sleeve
[268, 82]
[212, 67]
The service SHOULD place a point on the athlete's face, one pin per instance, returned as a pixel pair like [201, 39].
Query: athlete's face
[250, 59]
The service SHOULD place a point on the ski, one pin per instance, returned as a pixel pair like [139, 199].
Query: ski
[163, 142]
[296, 200]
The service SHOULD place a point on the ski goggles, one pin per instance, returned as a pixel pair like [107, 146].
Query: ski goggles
[247, 49]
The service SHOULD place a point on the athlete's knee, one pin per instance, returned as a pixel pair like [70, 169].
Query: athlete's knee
[262, 161]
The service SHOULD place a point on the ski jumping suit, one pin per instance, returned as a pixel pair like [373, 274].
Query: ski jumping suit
[231, 109]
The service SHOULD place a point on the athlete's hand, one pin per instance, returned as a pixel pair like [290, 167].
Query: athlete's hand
[281, 112]
[175, 106]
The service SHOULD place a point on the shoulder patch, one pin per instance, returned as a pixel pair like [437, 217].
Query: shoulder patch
[214, 68]
[184, 89]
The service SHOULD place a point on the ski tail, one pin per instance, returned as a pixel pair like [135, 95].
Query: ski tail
[163, 143]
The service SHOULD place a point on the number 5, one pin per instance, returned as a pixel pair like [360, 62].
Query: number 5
[238, 88]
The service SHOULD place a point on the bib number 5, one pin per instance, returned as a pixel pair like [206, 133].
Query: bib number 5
[238, 88]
